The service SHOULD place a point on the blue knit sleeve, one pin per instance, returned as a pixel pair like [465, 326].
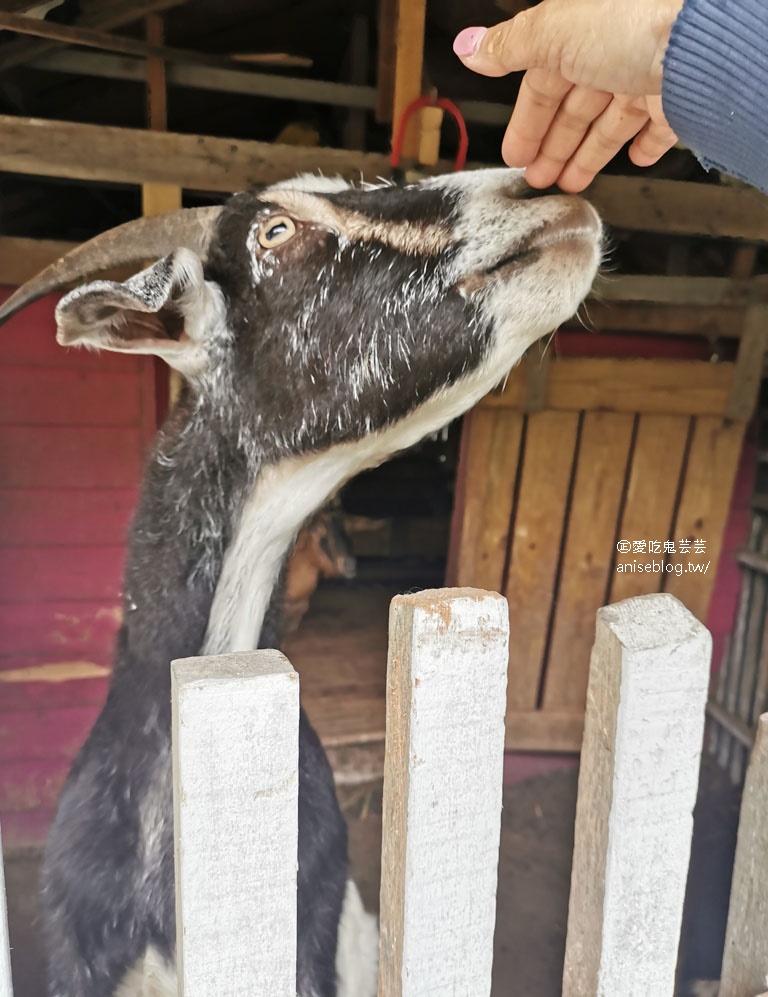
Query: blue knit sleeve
[715, 85]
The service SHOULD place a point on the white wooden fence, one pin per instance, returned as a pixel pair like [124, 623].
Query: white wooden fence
[236, 782]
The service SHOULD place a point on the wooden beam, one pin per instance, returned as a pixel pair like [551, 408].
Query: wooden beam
[682, 208]
[195, 162]
[124, 155]
[703, 292]
[102, 40]
[748, 372]
[409, 67]
[446, 682]
[637, 787]
[108, 17]
[235, 790]
[625, 384]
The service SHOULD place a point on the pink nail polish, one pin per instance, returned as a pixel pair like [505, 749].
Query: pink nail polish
[466, 42]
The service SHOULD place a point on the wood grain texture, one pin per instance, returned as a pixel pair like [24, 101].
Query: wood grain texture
[550, 446]
[543, 730]
[490, 453]
[491, 499]
[649, 506]
[745, 959]
[666, 387]
[587, 556]
[442, 792]
[235, 774]
[711, 467]
[637, 787]
[409, 61]
[748, 372]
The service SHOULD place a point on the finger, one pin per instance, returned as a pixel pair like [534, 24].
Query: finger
[654, 139]
[571, 123]
[541, 94]
[504, 48]
[622, 120]
[651, 144]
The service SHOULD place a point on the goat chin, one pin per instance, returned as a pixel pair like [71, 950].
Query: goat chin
[357, 956]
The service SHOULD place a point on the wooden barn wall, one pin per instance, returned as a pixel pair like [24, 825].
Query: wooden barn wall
[74, 426]
[619, 450]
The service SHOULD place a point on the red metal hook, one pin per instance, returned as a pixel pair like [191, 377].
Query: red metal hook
[416, 105]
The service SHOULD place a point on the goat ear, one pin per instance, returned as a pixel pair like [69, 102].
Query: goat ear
[165, 310]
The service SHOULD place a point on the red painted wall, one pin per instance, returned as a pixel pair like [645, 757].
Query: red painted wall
[74, 426]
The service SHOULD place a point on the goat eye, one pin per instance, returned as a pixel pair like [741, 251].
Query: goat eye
[275, 231]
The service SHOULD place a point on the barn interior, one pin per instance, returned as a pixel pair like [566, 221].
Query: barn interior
[641, 422]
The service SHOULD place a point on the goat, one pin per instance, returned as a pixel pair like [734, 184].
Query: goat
[320, 328]
[322, 550]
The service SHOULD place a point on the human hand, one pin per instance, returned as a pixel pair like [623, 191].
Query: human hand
[593, 82]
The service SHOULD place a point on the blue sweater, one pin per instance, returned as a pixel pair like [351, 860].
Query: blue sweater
[715, 85]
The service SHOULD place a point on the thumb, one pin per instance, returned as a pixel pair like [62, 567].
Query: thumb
[504, 48]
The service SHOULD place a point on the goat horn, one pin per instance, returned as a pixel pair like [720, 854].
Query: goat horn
[141, 239]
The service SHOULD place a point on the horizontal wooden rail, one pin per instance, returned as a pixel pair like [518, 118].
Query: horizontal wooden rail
[205, 163]
[670, 387]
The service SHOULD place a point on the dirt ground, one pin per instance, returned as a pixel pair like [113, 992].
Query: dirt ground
[534, 877]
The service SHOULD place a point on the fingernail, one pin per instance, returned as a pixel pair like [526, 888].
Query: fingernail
[467, 41]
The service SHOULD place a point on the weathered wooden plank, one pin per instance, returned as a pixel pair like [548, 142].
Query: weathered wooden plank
[686, 320]
[106, 16]
[483, 515]
[588, 555]
[91, 38]
[76, 516]
[235, 774]
[40, 685]
[544, 730]
[649, 506]
[550, 447]
[34, 396]
[6, 986]
[713, 459]
[745, 959]
[198, 162]
[409, 60]
[698, 291]
[622, 384]
[26, 735]
[637, 787]
[682, 208]
[442, 792]
[491, 497]
[56, 573]
[748, 372]
[194, 162]
[32, 785]
[57, 630]
[70, 457]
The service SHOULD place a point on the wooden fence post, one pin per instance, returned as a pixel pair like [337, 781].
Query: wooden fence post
[637, 788]
[235, 775]
[443, 770]
[745, 960]
[6, 987]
